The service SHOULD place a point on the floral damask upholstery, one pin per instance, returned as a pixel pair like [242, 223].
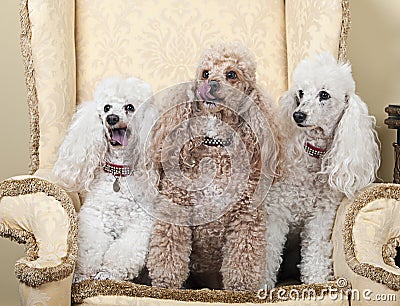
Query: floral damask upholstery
[152, 42]
[68, 46]
[75, 44]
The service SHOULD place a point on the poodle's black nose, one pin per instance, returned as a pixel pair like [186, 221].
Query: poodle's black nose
[214, 86]
[112, 119]
[299, 117]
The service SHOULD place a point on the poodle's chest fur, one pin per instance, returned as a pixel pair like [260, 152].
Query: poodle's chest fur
[213, 171]
[116, 209]
[301, 193]
[210, 170]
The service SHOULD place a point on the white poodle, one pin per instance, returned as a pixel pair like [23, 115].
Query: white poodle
[331, 151]
[102, 157]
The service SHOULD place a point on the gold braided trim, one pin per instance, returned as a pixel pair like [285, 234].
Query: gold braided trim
[37, 276]
[345, 29]
[389, 251]
[26, 50]
[91, 288]
[21, 237]
[377, 274]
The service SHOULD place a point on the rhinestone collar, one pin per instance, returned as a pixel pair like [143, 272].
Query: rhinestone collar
[117, 170]
[314, 151]
[215, 142]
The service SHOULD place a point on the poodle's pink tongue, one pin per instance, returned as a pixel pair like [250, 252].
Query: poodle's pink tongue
[204, 92]
[119, 135]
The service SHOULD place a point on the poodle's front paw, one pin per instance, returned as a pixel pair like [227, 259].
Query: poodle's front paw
[102, 275]
[120, 270]
[269, 284]
[111, 275]
[240, 280]
[165, 276]
[79, 277]
[269, 281]
[165, 284]
[316, 278]
[124, 259]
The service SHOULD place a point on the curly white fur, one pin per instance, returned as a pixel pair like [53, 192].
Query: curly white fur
[306, 198]
[114, 227]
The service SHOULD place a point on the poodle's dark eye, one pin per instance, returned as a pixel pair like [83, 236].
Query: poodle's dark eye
[107, 108]
[129, 108]
[231, 75]
[323, 95]
[206, 74]
[300, 95]
[296, 98]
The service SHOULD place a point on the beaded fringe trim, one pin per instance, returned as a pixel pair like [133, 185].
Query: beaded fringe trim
[33, 104]
[345, 29]
[377, 274]
[37, 276]
[91, 288]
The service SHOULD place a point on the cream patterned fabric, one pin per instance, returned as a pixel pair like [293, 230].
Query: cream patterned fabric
[42, 216]
[53, 56]
[311, 26]
[49, 294]
[375, 225]
[366, 241]
[46, 174]
[161, 41]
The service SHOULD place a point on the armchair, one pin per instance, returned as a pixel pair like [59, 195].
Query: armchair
[68, 46]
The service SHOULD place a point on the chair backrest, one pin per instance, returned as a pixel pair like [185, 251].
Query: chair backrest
[68, 46]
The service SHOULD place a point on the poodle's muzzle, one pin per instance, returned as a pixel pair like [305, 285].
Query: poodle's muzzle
[112, 119]
[299, 118]
[207, 91]
[118, 132]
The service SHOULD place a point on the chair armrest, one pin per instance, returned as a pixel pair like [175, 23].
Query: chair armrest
[36, 212]
[365, 236]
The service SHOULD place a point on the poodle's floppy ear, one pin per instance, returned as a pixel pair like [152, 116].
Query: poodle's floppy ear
[261, 115]
[142, 124]
[286, 109]
[292, 138]
[82, 149]
[354, 158]
[149, 117]
[286, 103]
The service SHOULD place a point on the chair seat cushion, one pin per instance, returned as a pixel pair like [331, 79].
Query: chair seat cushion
[108, 292]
